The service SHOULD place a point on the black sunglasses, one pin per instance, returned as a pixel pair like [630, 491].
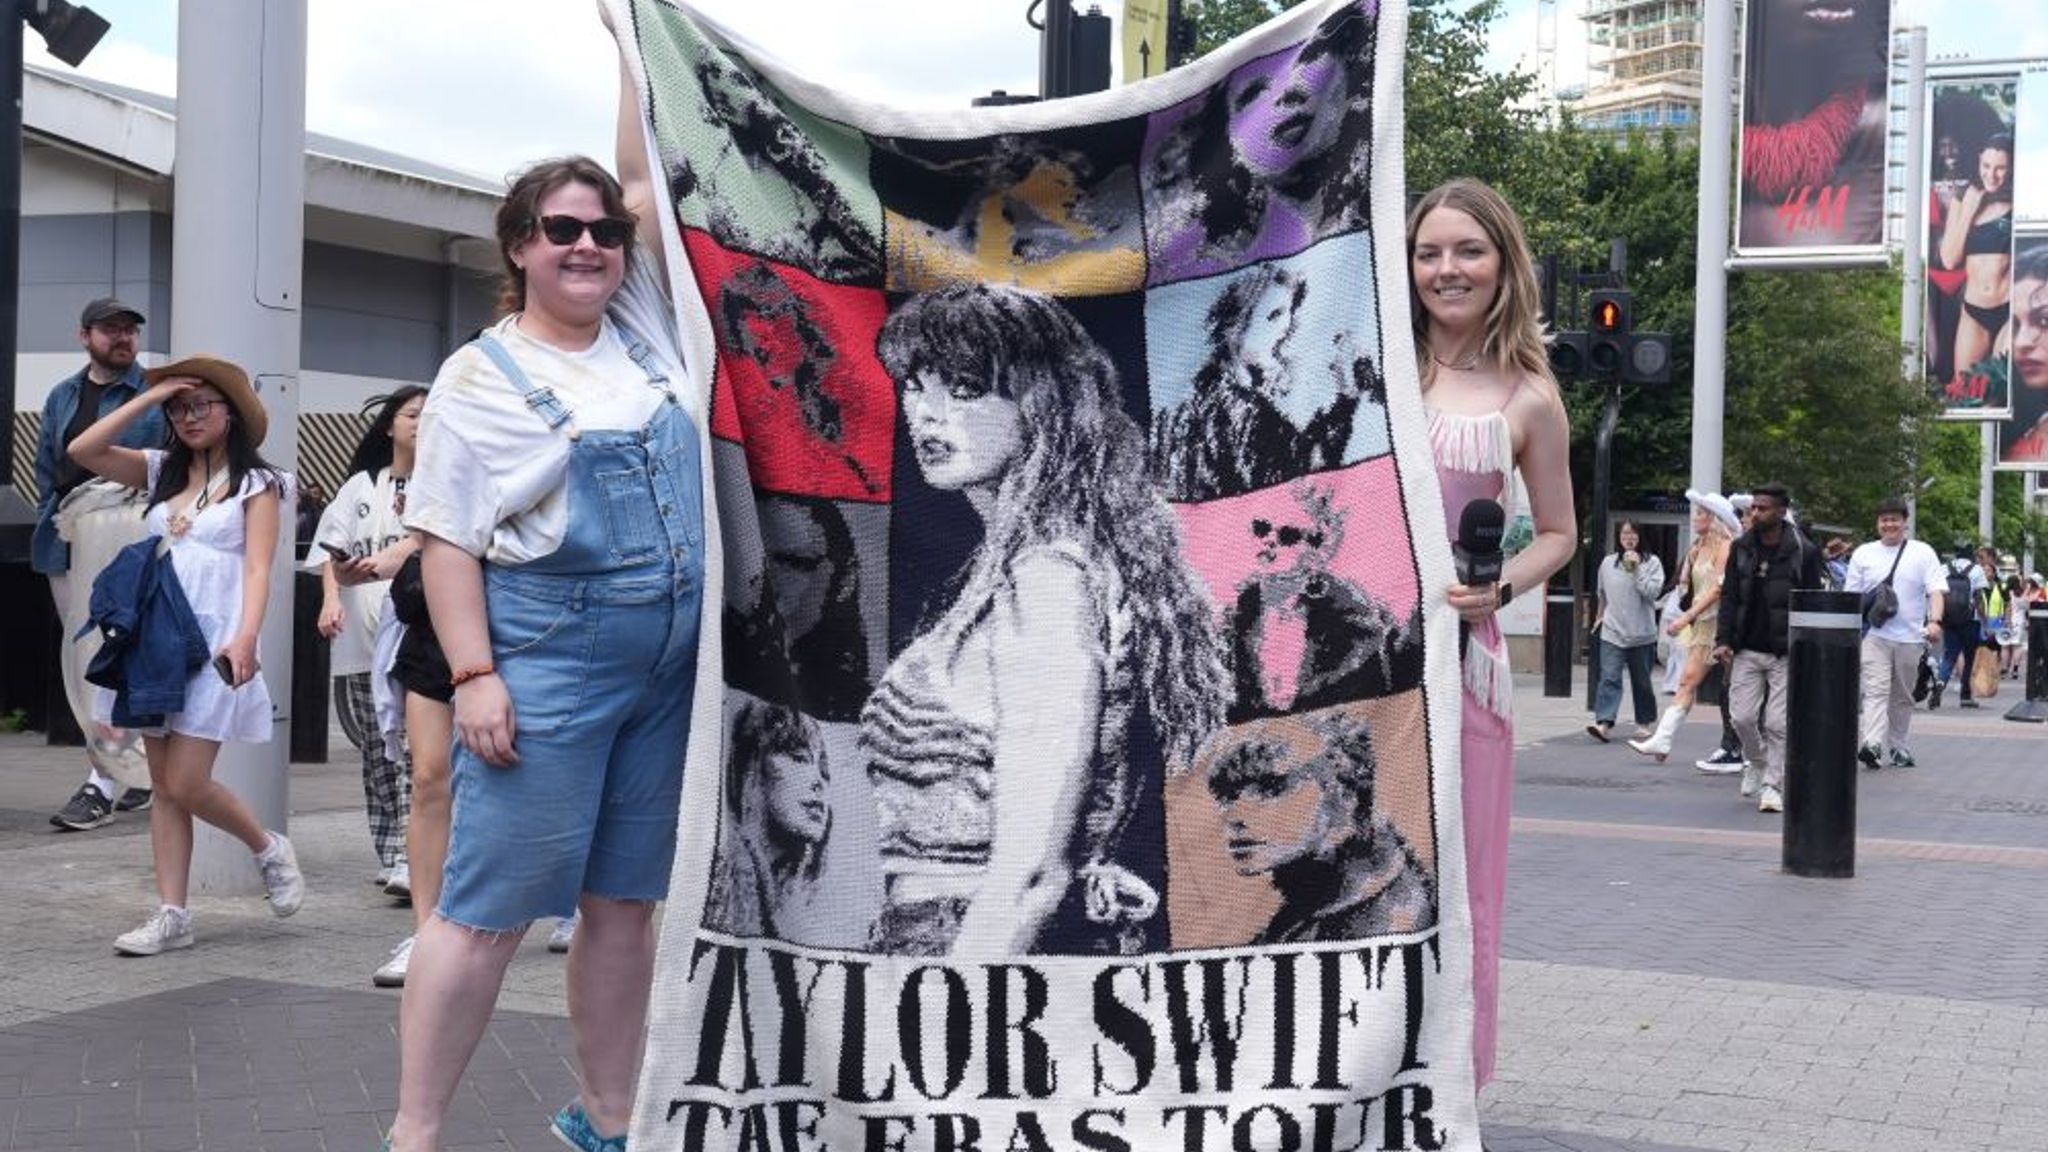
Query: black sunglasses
[605, 231]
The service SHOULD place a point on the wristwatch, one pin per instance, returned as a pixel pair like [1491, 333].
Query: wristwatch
[1507, 593]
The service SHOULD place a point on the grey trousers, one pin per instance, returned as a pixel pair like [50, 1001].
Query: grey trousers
[1756, 703]
[1888, 671]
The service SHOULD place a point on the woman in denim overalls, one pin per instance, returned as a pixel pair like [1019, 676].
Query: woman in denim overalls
[559, 490]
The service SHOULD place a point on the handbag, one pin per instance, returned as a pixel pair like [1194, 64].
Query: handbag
[1984, 673]
[1881, 601]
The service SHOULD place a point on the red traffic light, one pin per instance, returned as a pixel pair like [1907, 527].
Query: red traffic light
[1608, 312]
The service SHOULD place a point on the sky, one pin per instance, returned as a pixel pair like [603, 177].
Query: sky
[487, 85]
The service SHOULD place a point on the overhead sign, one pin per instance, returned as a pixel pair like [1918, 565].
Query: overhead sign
[1813, 131]
[2023, 438]
[1144, 39]
[1969, 254]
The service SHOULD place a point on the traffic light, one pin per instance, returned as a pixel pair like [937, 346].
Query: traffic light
[1567, 355]
[1607, 338]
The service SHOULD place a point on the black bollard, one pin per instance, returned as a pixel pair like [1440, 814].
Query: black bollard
[310, 683]
[1560, 629]
[1822, 694]
[2034, 709]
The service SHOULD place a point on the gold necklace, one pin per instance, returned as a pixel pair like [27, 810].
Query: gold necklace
[1465, 363]
[179, 523]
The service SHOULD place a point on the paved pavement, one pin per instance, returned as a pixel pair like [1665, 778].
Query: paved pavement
[1667, 987]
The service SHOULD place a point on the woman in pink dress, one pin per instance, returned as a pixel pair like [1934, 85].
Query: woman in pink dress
[1493, 408]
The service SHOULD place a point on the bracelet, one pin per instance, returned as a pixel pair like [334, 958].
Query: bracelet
[463, 676]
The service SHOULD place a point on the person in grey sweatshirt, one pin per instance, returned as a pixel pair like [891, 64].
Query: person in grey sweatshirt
[1626, 633]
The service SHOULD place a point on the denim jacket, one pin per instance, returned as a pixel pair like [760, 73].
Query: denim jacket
[48, 553]
[151, 642]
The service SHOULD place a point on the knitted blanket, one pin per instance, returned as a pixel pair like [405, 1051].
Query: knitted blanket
[1079, 766]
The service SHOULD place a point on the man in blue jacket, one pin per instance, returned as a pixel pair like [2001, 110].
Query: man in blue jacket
[110, 332]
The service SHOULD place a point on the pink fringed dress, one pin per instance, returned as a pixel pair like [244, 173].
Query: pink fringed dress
[1474, 457]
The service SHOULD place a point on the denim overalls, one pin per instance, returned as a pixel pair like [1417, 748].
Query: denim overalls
[597, 644]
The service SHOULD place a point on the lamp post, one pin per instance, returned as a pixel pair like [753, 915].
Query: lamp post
[71, 31]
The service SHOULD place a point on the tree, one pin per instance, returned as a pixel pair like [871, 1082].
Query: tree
[1817, 395]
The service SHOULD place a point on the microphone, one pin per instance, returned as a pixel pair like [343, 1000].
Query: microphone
[1476, 551]
[1477, 548]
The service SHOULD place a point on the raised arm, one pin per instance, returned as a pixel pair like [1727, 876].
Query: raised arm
[635, 177]
[98, 449]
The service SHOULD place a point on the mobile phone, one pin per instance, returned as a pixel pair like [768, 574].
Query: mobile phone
[340, 555]
[226, 669]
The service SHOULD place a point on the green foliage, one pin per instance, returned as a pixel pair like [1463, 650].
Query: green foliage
[1218, 21]
[1817, 396]
[1947, 511]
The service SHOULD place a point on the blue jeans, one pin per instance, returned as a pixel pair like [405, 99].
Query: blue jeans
[1962, 642]
[1641, 659]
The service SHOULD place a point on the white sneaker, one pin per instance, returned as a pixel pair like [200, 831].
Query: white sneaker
[400, 885]
[1752, 779]
[282, 880]
[392, 974]
[563, 935]
[1770, 801]
[382, 877]
[164, 931]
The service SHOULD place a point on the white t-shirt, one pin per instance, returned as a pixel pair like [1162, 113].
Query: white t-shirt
[1920, 576]
[489, 471]
[361, 519]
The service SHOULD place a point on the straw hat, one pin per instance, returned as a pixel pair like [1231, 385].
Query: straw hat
[1718, 506]
[232, 382]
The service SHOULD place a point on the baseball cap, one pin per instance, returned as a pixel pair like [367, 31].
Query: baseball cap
[106, 308]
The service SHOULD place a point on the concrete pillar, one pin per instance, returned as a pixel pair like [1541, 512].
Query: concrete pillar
[238, 243]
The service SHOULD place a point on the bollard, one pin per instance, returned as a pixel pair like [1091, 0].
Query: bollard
[310, 684]
[2034, 709]
[1822, 690]
[1560, 628]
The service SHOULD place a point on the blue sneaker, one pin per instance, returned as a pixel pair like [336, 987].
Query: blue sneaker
[573, 1128]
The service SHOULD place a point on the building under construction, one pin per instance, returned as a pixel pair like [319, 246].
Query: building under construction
[1643, 59]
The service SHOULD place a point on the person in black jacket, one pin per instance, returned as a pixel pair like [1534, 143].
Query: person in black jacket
[1764, 566]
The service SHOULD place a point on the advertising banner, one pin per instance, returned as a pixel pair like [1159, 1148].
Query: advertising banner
[1970, 180]
[1813, 130]
[2023, 438]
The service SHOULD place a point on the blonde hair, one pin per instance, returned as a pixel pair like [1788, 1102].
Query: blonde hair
[1514, 329]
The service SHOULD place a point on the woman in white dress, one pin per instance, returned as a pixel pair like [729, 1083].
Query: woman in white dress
[214, 504]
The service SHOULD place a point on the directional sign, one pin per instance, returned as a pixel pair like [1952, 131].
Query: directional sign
[1144, 39]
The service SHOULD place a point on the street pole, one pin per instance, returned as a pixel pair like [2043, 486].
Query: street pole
[1603, 467]
[1055, 56]
[1913, 241]
[238, 239]
[1710, 289]
[2030, 500]
[1987, 478]
[17, 516]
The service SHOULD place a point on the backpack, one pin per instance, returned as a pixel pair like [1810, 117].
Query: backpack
[1958, 607]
